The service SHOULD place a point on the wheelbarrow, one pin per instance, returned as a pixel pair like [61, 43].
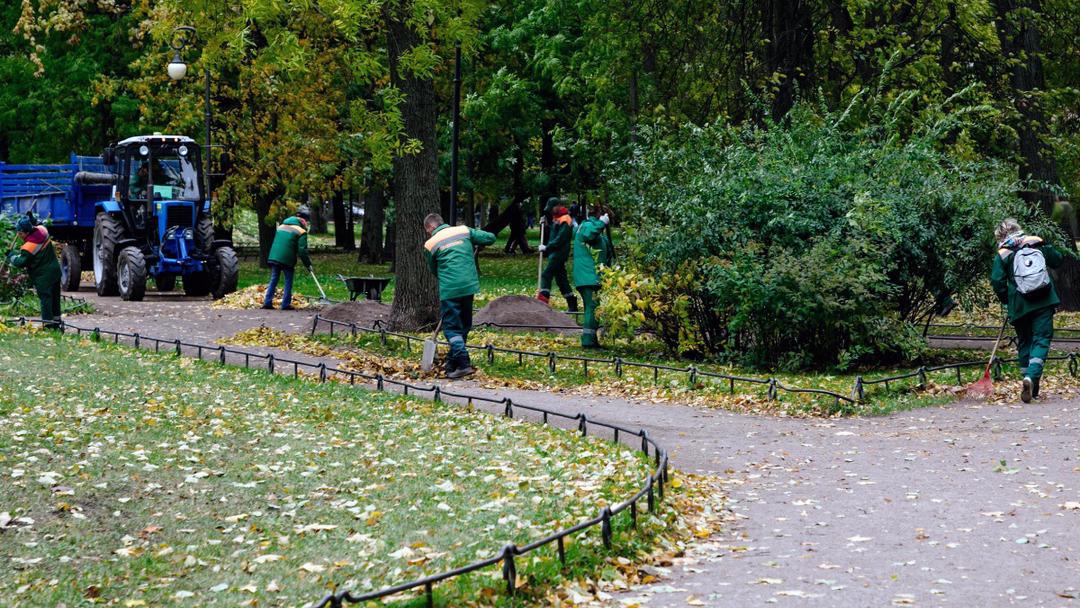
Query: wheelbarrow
[371, 287]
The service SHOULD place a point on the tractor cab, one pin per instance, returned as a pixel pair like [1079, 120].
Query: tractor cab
[159, 182]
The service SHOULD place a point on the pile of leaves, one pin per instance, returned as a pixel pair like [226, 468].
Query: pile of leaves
[251, 297]
[175, 482]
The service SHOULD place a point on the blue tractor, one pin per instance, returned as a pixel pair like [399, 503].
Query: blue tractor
[136, 212]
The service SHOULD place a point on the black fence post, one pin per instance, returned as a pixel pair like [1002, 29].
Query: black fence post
[605, 526]
[509, 569]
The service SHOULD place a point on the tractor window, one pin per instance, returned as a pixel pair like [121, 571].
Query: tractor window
[163, 176]
[174, 177]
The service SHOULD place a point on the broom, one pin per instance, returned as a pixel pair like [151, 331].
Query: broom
[984, 387]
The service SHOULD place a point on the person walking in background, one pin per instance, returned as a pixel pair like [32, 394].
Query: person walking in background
[449, 255]
[1022, 283]
[557, 251]
[37, 257]
[290, 243]
[592, 248]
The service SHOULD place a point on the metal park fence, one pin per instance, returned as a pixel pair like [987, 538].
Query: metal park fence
[651, 489]
[618, 365]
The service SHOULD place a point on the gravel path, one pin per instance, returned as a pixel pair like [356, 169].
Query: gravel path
[964, 505]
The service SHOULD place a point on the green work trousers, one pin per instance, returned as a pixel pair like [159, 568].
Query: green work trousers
[589, 325]
[456, 325]
[49, 298]
[555, 269]
[1034, 331]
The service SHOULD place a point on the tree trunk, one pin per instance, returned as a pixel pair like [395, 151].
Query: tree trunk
[371, 234]
[415, 180]
[788, 26]
[548, 164]
[267, 230]
[1019, 34]
[343, 235]
[318, 215]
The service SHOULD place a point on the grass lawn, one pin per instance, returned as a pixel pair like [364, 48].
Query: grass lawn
[500, 274]
[152, 480]
[29, 306]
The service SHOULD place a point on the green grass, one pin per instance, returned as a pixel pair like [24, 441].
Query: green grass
[500, 274]
[169, 481]
[28, 306]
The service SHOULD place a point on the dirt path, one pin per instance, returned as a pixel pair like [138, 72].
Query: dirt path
[964, 505]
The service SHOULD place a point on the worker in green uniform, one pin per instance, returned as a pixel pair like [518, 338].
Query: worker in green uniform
[592, 248]
[449, 255]
[1021, 281]
[557, 251]
[37, 257]
[290, 243]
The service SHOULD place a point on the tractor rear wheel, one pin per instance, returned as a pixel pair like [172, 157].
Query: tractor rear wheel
[165, 282]
[107, 233]
[131, 274]
[70, 267]
[224, 272]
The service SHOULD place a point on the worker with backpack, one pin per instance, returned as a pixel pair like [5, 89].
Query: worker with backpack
[1022, 282]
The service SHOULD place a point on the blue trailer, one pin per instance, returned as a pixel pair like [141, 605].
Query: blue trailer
[136, 212]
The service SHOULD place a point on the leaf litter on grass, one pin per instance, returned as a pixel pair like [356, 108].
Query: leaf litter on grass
[164, 480]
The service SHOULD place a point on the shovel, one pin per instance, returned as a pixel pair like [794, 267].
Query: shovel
[428, 358]
[984, 387]
[540, 261]
[323, 299]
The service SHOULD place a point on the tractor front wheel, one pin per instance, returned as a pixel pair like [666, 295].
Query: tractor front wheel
[107, 233]
[70, 267]
[131, 274]
[224, 272]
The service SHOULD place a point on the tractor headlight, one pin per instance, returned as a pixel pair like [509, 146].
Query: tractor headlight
[143, 150]
[182, 150]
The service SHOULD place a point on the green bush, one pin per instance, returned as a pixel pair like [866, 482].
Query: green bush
[810, 244]
[14, 283]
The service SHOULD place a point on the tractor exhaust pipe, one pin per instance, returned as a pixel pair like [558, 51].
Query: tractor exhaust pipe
[88, 178]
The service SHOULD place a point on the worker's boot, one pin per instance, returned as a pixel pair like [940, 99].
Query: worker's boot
[571, 303]
[1035, 388]
[544, 297]
[1025, 390]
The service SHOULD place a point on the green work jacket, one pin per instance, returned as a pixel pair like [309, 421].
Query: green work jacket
[38, 259]
[290, 242]
[592, 248]
[558, 245]
[449, 255]
[1019, 305]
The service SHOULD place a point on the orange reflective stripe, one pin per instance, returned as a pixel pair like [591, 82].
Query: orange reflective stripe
[33, 248]
[563, 219]
[291, 228]
[445, 237]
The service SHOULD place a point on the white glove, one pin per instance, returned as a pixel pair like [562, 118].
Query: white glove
[542, 248]
[604, 218]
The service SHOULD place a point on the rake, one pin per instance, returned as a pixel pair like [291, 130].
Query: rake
[984, 387]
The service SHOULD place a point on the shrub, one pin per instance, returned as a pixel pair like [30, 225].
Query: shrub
[14, 283]
[810, 244]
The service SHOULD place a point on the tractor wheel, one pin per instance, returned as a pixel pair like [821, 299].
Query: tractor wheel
[165, 282]
[107, 232]
[197, 284]
[224, 272]
[204, 234]
[131, 274]
[70, 267]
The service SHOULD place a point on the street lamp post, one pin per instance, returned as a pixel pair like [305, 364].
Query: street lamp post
[182, 36]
